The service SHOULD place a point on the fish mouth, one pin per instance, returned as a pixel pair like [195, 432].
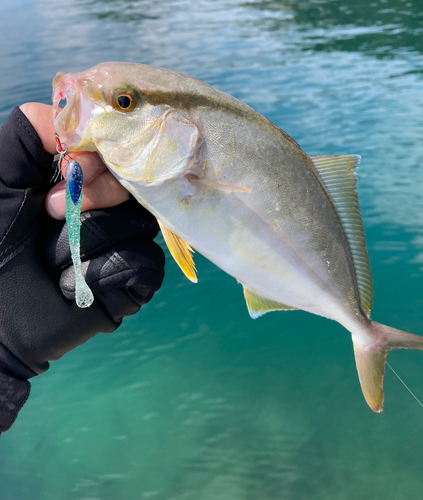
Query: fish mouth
[71, 121]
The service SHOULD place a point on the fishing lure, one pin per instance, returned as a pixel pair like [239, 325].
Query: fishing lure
[83, 294]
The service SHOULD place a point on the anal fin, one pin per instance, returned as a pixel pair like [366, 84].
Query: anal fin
[258, 305]
[181, 252]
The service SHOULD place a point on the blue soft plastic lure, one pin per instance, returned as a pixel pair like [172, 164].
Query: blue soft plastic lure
[83, 295]
[74, 180]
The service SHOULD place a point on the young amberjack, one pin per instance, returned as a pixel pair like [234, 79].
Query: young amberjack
[225, 181]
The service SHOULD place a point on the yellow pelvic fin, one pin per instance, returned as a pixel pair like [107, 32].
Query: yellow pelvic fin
[258, 305]
[181, 252]
[337, 173]
[206, 185]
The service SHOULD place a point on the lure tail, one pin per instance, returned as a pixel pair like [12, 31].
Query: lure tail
[370, 360]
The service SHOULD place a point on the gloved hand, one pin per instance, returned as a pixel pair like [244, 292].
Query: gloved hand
[39, 320]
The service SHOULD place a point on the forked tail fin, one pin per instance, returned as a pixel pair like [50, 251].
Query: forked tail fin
[370, 360]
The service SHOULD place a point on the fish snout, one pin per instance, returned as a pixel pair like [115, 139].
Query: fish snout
[65, 112]
[63, 90]
[72, 110]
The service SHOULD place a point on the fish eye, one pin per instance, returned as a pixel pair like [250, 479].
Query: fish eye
[124, 99]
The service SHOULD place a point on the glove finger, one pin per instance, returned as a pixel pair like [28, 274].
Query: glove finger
[24, 181]
[23, 161]
[123, 278]
[101, 230]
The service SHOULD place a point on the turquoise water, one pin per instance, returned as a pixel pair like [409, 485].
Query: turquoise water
[191, 399]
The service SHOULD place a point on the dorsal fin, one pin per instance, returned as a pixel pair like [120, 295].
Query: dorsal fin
[258, 305]
[337, 172]
[181, 252]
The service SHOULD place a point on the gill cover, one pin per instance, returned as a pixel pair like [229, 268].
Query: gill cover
[165, 151]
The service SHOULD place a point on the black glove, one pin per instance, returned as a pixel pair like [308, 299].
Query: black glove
[39, 320]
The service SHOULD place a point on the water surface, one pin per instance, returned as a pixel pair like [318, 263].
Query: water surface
[191, 399]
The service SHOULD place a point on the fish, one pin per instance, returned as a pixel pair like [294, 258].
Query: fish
[224, 181]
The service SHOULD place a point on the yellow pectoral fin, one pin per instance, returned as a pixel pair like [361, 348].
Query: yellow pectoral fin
[205, 185]
[258, 305]
[181, 252]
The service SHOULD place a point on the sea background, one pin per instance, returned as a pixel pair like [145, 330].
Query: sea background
[191, 399]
